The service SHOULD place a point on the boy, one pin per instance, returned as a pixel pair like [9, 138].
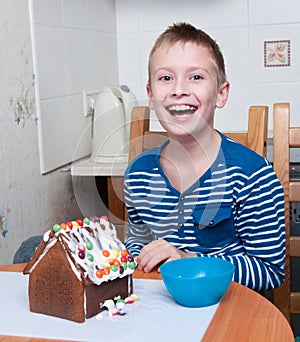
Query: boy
[201, 194]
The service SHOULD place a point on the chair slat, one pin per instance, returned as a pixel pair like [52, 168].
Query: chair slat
[294, 191]
[284, 138]
[295, 302]
[295, 136]
[295, 246]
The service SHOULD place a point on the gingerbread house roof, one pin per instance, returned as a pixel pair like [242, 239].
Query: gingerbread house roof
[91, 248]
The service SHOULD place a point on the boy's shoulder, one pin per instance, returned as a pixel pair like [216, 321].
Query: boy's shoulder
[241, 156]
[145, 161]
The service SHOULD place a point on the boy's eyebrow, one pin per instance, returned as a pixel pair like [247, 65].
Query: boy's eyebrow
[188, 70]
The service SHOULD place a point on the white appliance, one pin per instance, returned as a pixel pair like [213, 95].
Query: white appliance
[111, 124]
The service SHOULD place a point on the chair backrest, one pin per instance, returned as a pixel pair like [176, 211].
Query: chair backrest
[141, 138]
[286, 137]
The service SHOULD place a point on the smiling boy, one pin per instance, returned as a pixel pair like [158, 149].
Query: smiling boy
[201, 194]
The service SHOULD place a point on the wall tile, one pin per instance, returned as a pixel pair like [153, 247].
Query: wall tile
[48, 12]
[77, 59]
[233, 42]
[273, 12]
[257, 36]
[146, 42]
[75, 13]
[56, 138]
[81, 128]
[270, 93]
[234, 116]
[156, 15]
[127, 14]
[52, 63]
[104, 63]
[101, 15]
[219, 13]
[129, 59]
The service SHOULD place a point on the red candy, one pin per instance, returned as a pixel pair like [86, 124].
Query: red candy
[81, 248]
[124, 259]
[80, 223]
[69, 224]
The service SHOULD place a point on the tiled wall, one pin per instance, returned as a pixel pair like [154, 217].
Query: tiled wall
[241, 27]
[29, 202]
[75, 44]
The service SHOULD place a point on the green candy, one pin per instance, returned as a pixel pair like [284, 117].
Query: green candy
[124, 264]
[132, 265]
[86, 220]
[89, 245]
[56, 228]
[114, 268]
[90, 257]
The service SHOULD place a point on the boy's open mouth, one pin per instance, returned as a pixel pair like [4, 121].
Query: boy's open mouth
[182, 109]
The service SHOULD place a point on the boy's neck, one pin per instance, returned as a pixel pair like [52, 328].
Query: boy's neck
[184, 162]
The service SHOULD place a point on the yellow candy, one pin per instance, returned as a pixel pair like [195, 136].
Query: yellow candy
[135, 297]
[116, 253]
[74, 223]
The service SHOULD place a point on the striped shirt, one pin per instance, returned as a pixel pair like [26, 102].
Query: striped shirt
[235, 211]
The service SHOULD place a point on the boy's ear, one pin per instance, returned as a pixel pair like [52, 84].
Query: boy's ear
[223, 95]
[150, 96]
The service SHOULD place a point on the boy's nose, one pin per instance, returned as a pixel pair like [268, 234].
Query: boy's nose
[180, 88]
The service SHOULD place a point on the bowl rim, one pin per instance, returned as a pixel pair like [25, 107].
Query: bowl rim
[220, 260]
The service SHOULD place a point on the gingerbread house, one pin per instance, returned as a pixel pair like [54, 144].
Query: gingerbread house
[76, 268]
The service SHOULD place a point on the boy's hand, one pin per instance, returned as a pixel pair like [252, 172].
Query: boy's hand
[158, 252]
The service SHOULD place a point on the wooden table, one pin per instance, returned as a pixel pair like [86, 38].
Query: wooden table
[243, 315]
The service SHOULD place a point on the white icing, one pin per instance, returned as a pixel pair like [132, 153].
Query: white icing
[102, 239]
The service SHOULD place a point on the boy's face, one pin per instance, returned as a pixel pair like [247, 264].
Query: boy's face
[184, 90]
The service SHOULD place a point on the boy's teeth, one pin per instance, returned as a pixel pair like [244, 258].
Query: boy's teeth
[181, 108]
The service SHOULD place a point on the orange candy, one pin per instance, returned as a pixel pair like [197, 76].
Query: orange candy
[63, 226]
[105, 253]
[124, 252]
[99, 273]
[116, 263]
[106, 270]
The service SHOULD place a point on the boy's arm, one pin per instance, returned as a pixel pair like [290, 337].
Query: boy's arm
[261, 228]
[138, 235]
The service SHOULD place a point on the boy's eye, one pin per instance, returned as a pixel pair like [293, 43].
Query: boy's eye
[165, 78]
[197, 77]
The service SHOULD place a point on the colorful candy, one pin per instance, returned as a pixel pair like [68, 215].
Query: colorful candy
[110, 260]
[105, 253]
[56, 228]
[89, 245]
[90, 257]
[86, 221]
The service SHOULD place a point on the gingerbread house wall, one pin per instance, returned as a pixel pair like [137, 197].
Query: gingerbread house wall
[54, 289]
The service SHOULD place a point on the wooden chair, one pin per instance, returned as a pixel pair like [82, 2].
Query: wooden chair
[141, 138]
[285, 138]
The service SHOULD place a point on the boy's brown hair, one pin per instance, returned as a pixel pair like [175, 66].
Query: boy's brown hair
[184, 32]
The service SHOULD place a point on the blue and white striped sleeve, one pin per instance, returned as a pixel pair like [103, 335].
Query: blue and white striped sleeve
[261, 228]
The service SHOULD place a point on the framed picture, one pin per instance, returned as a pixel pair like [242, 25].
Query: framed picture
[277, 53]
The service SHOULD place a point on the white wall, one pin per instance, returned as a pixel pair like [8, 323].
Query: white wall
[240, 27]
[30, 203]
[75, 49]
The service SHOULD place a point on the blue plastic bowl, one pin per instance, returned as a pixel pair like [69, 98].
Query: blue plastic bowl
[197, 282]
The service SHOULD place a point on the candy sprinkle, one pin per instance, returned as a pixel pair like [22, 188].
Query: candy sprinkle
[56, 228]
